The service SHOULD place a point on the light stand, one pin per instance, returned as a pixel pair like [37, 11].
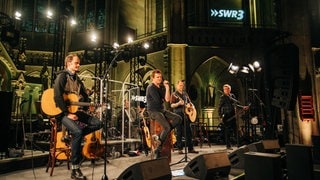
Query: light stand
[185, 158]
[106, 77]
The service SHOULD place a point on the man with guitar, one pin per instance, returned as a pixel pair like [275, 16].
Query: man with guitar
[227, 112]
[157, 93]
[79, 123]
[179, 101]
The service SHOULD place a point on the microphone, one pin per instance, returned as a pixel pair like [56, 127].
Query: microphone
[250, 89]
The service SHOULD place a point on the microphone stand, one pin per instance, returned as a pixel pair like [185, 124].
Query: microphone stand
[185, 158]
[106, 77]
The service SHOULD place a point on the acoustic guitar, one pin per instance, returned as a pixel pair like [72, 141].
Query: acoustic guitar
[49, 107]
[61, 145]
[93, 148]
[146, 132]
[189, 109]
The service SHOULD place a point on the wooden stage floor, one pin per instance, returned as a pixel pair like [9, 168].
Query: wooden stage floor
[97, 170]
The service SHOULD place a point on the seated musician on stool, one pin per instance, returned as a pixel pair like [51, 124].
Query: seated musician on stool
[80, 123]
[178, 105]
[157, 92]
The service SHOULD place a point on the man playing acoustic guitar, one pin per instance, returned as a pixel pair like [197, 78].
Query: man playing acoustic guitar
[179, 101]
[79, 123]
[227, 112]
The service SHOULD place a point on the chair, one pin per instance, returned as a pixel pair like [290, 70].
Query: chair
[58, 150]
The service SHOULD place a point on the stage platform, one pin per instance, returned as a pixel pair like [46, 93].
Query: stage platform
[33, 166]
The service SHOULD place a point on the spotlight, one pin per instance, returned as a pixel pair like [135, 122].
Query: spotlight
[255, 66]
[49, 14]
[17, 15]
[244, 69]
[93, 37]
[146, 45]
[73, 22]
[233, 69]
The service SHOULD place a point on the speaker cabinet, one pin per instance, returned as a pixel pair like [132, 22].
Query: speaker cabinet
[5, 112]
[209, 166]
[153, 169]
[262, 166]
[299, 162]
[256, 147]
[237, 157]
[316, 149]
[271, 145]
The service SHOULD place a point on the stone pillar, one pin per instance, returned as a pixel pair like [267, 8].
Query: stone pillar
[177, 62]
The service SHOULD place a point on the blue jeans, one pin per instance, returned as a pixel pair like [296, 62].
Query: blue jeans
[78, 129]
[168, 120]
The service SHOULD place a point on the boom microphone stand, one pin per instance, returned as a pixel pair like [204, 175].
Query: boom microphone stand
[185, 158]
[106, 77]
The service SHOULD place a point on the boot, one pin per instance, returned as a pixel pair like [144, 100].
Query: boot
[77, 174]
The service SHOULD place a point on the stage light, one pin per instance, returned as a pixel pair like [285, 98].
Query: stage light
[146, 45]
[255, 66]
[49, 14]
[244, 69]
[17, 15]
[115, 45]
[130, 40]
[73, 22]
[93, 37]
[233, 69]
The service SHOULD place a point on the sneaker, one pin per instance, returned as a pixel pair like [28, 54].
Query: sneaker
[193, 151]
[180, 152]
[77, 174]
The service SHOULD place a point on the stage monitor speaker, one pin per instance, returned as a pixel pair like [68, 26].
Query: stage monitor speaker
[316, 149]
[299, 162]
[271, 145]
[262, 166]
[256, 147]
[209, 166]
[153, 169]
[237, 157]
[5, 112]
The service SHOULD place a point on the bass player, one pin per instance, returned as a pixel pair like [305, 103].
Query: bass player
[179, 101]
[80, 123]
[227, 113]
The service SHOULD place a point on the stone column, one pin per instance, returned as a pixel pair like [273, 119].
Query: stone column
[177, 55]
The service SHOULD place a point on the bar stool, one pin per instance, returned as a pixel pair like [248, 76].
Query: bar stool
[58, 150]
[155, 129]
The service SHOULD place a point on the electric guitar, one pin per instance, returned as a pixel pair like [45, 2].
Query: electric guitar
[49, 107]
[226, 120]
